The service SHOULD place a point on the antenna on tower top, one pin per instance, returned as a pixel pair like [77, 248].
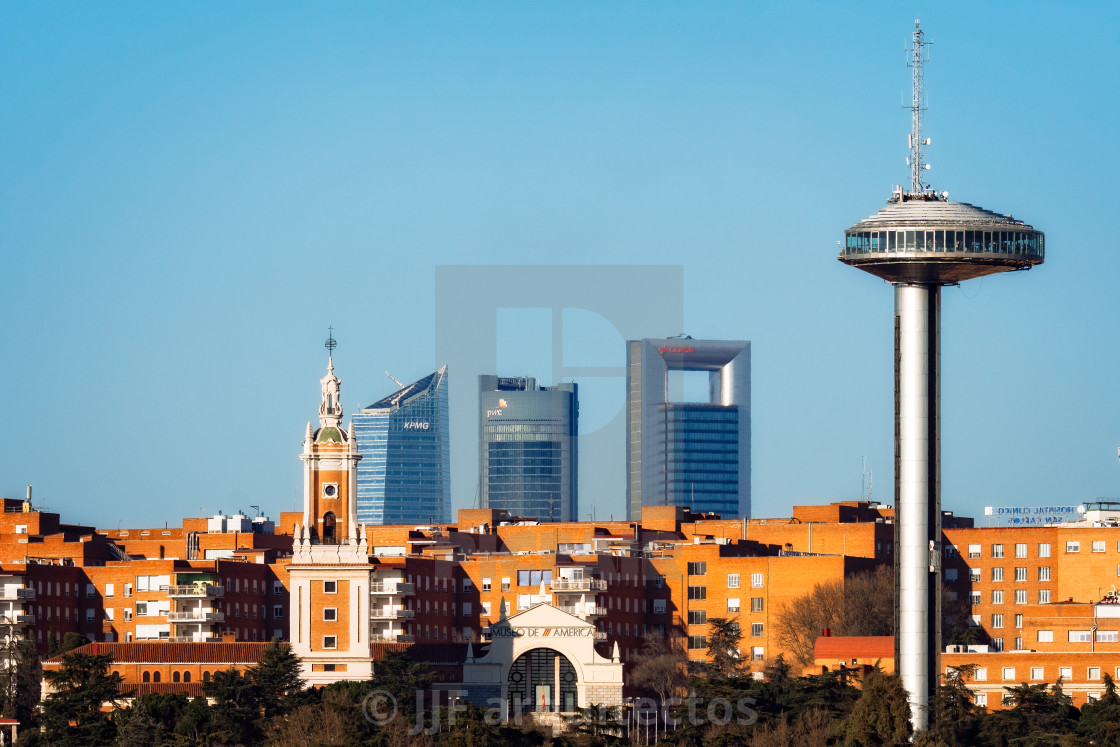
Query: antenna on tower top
[917, 56]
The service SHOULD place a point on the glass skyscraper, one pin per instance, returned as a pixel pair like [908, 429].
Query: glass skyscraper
[692, 454]
[404, 473]
[527, 437]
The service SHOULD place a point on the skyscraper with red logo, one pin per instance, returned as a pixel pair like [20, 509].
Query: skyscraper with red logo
[683, 450]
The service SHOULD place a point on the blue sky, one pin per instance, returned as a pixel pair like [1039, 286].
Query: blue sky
[191, 193]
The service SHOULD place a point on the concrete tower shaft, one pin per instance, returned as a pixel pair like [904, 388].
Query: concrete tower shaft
[919, 242]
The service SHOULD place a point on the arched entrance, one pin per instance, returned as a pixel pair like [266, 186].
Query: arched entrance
[542, 679]
[328, 528]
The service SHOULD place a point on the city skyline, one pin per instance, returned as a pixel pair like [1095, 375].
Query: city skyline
[178, 176]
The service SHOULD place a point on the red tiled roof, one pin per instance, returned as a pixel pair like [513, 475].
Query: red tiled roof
[165, 652]
[869, 647]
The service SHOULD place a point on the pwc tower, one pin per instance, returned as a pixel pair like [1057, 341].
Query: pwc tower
[919, 242]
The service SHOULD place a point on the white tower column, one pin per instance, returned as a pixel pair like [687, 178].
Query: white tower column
[918, 491]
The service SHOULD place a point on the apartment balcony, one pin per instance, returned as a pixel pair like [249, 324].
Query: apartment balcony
[13, 595]
[392, 588]
[196, 617]
[17, 620]
[585, 611]
[392, 614]
[583, 584]
[406, 638]
[200, 591]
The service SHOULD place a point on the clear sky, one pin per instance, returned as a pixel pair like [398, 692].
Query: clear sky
[191, 192]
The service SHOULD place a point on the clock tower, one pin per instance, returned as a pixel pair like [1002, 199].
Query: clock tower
[330, 570]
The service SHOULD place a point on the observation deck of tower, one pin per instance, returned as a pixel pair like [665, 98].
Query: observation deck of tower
[919, 242]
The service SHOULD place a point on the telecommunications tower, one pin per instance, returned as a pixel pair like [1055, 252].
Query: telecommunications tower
[919, 242]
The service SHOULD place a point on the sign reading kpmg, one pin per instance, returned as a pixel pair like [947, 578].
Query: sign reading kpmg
[1034, 515]
[506, 632]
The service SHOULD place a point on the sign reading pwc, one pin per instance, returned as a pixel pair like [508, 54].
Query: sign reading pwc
[497, 411]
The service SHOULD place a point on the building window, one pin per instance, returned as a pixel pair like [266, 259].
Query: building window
[1008, 674]
[1073, 546]
[950, 574]
[186, 676]
[1044, 573]
[659, 606]
[974, 551]
[997, 644]
[1108, 636]
[758, 653]
[1020, 596]
[997, 574]
[658, 581]
[756, 580]
[1020, 573]
[733, 604]
[486, 584]
[330, 641]
[1044, 596]
[1046, 636]
[205, 676]
[698, 568]
[697, 592]
[974, 575]
[1043, 549]
[174, 676]
[330, 587]
[756, 604]
[485, 609]
[1019, 622]
[146, 677]
[1018, 644]
[155, 677]
[505, 584]
[997, 551]
[1036, 673]
[277, 611]
[697, 617]
[1098, 545]
[696, 642]
[1066, 673]
[974, 598]
[997, 621]
[1080, 636]
[980, 699]
[732, 580]
[997, 596]
[1020, 549]
[467, 586]
[757, 630]
[330, 614]
[1094, 673]
[981, 674]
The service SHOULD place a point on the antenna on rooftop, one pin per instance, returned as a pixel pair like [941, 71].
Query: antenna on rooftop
[917, 55]
[394, 380]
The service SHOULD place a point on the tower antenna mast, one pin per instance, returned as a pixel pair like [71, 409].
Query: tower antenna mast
[918, 55]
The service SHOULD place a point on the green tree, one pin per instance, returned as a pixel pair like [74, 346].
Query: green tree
[140, 729]
[237, 708]
[1100, 719]
[724, 637]
[195, 721]
[957, 718]
[881, 716]
[70, 642]
[21, 680]
[1041, 715]
[277, 677]
[81, 685]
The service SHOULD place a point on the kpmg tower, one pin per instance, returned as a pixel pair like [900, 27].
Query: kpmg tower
[919, 242]
[527, 447]
[692, 454]
[404, 474]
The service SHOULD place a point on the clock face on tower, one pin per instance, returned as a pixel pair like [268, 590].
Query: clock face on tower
[330, 491]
